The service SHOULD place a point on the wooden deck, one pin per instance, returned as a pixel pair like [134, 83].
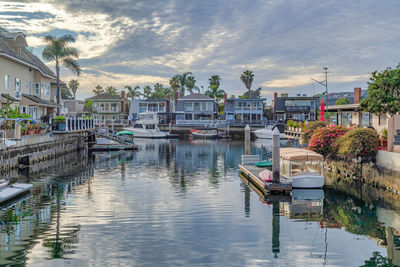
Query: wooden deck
[252, 173]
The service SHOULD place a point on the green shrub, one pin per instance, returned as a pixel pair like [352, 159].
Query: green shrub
[359, 143]
[60, 119]
[384, 133]
[309, 129]
[324, 138]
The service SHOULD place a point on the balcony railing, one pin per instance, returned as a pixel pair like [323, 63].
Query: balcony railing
[98, 122]
[245, 122]
[297, 109]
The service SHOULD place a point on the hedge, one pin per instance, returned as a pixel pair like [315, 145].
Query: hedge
[359, 143]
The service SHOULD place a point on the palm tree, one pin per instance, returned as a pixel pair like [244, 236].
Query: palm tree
[147, 91]
[215, 93]
[191, 84]
[98, 90]
[73, 86]
[133, 92]
[57, 49]
[180, 80]
[215, 80]
[174, 83]
[247, 78]
[111, 90]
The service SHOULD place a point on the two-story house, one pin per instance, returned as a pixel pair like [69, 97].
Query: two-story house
[196, 110]
[24, 79]
[110, 109]
[243, 111]
[299, 107]
[162, 107]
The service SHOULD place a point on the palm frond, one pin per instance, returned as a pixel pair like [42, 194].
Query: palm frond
[48, 53]
[72, 65]
[68, 38]
[71, 52]
[49, 39]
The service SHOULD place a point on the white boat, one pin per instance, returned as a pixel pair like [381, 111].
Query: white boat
[268, 132]
[303, 167]
[146, 126]
[205, 134]
[8, 192]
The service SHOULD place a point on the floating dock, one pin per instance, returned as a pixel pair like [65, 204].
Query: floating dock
[113, 147]
[252, 173]
[10, 192]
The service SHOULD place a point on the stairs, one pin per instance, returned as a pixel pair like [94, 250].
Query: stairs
[397, 138]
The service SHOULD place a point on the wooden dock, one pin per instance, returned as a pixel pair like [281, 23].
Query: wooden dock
[113, 147]
[252, 173]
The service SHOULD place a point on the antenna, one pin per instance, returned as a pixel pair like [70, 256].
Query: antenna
[324, 83]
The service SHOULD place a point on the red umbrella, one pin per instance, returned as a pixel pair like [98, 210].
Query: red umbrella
[322, 108]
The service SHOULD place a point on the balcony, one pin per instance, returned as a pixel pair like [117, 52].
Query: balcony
[245, 122]
[297, 109]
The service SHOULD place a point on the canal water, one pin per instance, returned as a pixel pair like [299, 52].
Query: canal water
[182, 203]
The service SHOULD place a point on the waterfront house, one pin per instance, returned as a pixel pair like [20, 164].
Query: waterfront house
[72, 107]
[299, 107]
[110, 109]
[162, 107]
[25, 81]
[196, 110]
[243, 111]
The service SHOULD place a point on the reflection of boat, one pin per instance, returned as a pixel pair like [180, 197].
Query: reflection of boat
[205, 134]
[9, 192]
[146, 126]
[268, 132]
[303, 167]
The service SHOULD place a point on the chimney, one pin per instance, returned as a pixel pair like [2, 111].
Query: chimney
[357, 95]
[225, 97]
[123, 102]
[176, 99]
[274, 104]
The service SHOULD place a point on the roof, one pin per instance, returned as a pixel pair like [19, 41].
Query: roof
[10, 97]
[246, 99]
[104, 96]
[195, 96]
[291, 153]
[343, 107]
[25, 57]
[40, 101]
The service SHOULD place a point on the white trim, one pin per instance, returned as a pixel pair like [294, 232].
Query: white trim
[27, 64]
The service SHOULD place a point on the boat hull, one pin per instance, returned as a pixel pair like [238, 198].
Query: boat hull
[140, 133]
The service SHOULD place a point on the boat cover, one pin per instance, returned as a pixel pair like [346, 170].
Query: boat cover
[291, 153]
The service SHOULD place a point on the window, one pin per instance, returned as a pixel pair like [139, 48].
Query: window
[204, 106]
[30, 87]
[7, 80]
[188, 106]
[188, 116]
[196, 106]
[142, 107]
[365, 119]
[312, 104]
[210, 106]
[37, 88]
[114, 107]
[17, 91]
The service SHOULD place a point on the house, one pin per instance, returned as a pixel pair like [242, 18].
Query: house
[110, 109]
[162, 107]
[72, 107]
[25, 81]
[196, 110]
[243, 111]
[300, 107]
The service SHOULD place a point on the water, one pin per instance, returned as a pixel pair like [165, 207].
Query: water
[180, 203]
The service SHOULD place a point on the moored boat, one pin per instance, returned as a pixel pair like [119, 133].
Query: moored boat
[268, 132]
[8, 192]
[146, 126]
[204, 134]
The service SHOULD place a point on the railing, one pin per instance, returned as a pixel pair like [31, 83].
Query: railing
[78, 124]
[110, 122]
[302, 109]
[201, 123]
[245, 122]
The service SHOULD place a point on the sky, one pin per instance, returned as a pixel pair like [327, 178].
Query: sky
[285, 43]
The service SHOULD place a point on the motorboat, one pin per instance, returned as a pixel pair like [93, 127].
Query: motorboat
[304, 168]
[268, 132]
[204, 134]
[146, 126]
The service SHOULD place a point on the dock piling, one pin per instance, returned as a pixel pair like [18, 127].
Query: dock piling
[247, 140]
[275, 156]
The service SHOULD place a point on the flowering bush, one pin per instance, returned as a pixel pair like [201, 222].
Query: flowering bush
[323, 139]
[358, 143]
[309, 129]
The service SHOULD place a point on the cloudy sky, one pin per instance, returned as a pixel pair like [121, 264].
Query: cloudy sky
[285, 43]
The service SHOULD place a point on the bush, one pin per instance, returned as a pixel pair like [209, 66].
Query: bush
[309, 129]
[324, 138]
[59, 119]
[358, 143]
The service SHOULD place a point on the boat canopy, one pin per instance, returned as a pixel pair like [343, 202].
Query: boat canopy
[290, 153]
[125, 132]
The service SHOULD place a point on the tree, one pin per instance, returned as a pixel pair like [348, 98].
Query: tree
[179, 82]
[159, 92]
[98, 90]
[111, 90]
[247, 78]
[174, 85]
[191, 84]
[146, 91]
[133, 92]
[57, 49]
[215, 93]
[73, 86]
[214, 80]
[252, 94]
[342, 101]
[66, 93]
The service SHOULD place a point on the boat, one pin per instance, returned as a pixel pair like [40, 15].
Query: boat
[146, 126]
[8, 192]
[204, 134]
[268, 132]
[304, 168]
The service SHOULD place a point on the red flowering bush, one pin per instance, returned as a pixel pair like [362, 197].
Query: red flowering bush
[310, 127]
[361, 143]
[323, 139]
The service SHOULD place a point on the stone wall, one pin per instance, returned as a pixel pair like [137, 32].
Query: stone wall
[350, 172]
[29, 154]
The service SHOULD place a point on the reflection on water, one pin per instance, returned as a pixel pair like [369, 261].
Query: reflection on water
[182, 203]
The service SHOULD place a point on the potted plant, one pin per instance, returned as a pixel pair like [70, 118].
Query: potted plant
[60, 120]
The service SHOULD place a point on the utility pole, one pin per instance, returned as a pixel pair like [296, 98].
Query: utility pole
[324, 83]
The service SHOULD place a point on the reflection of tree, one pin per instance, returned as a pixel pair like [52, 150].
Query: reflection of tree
[62, 242]
[378, 260]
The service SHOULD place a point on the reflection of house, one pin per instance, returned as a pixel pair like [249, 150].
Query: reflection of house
[300, 107]
[195, 110]
[25, 81]
[241, 111]
[161, 106]
[110, 109]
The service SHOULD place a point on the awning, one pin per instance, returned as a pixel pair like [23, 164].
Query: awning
[40, 101]
[10, 98]
[290, 153]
